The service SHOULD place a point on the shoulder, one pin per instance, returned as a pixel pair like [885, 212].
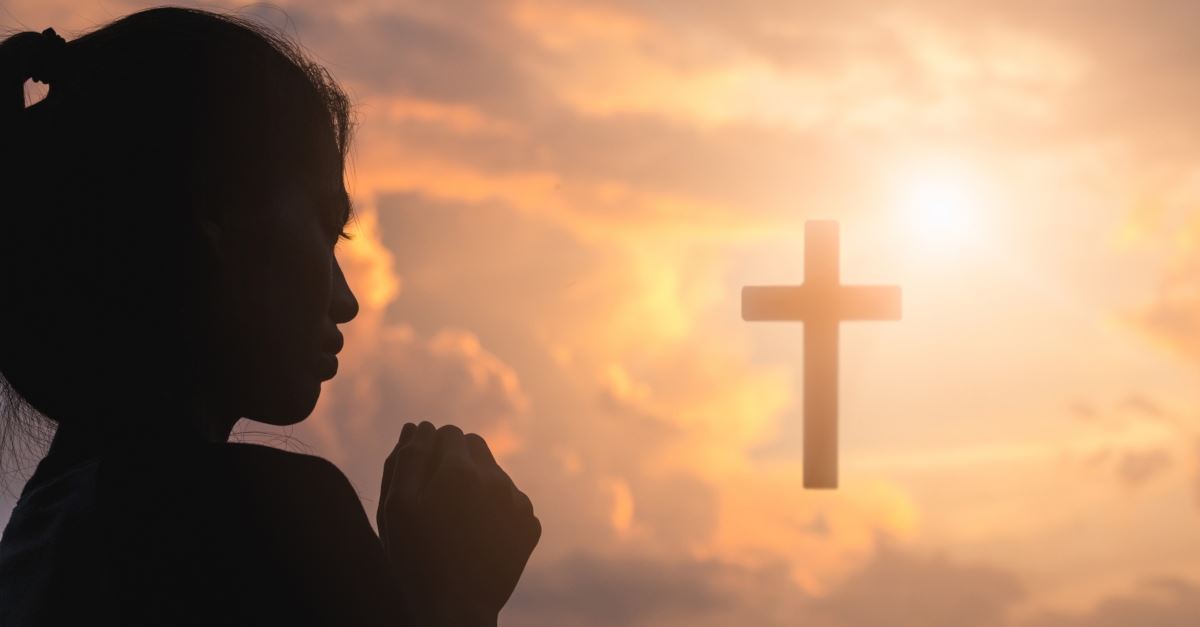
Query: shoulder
[221, 530]
[209, 474]
[307, 493]
[265, 466]
[300, 531]
[247, 495]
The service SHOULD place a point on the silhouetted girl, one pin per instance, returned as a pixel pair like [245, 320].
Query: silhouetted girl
[169, 217]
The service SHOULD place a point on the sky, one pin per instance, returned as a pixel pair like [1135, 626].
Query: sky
[559, 202]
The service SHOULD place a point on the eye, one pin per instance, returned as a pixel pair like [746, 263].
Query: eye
[341, 221]
[338, 226]
[334, 212]
[343, 214]
[333, 222]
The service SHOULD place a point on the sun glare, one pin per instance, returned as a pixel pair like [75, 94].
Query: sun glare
[941, 207]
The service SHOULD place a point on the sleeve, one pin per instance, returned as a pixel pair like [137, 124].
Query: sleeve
[308, 554]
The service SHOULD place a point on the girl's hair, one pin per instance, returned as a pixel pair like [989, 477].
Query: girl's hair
[149, 122]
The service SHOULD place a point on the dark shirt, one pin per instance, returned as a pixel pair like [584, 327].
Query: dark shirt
[191, 533]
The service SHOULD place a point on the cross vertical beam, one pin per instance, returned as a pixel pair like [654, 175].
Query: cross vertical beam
[821, 340]
[822, 302]
[822, 272]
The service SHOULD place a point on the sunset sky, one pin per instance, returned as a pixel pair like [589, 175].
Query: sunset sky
[559, 203]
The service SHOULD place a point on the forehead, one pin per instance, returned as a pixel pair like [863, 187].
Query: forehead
[319, 174]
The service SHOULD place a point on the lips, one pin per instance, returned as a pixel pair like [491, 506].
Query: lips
[334, 344]
[327, 363]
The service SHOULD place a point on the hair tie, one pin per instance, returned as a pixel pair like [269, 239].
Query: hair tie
[46, 64]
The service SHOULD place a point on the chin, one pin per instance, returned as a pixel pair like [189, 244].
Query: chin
[291, 408]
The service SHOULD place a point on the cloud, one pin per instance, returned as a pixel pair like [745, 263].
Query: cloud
[900, 588]
[424, 51]
[1174, 315]
[1141, 404]
[1162, 602]
[590, 590]
[1083, 410]
[1141, 440]
[1136, 468]
[896, 587]
[1196, 473]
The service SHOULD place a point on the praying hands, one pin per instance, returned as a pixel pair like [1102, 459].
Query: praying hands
[456, 530]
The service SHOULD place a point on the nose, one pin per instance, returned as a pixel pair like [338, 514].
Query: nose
[343, 306]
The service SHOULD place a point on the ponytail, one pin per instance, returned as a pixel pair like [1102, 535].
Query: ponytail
[28, 55]
[24, 432]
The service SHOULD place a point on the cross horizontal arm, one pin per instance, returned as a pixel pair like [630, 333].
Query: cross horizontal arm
[808, 302]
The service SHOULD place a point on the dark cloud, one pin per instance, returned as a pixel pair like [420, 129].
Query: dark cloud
[1174, 315]
[1083, 410]
[507, 280]
[1132, 466]
[897, 588]
[419, 49]
[751, 169]
[680, 511]
[490, 64]
[1141, 404]
[1164, 602]
[1196, 450]
[1138, 85]
[590, 590]
[893, 588]
[1139, 467]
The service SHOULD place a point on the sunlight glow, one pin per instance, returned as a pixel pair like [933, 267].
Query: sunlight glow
[941, 206]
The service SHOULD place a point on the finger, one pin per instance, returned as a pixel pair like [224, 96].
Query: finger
[407, 432]
[528, 525]
[450, 441]
[521, 521]
[404, 477]
[535, 531]
[412, 460]
[478, 449]
[524, 538]
[521, 504]
[496, 491]
[385, 485]
[389, 464]
[425, 432]
[453, 467]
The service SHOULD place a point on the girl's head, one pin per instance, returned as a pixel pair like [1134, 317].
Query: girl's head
[168, 221]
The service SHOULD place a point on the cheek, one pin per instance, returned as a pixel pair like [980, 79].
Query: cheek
[275, 376]
[297, 298]
[284, 302]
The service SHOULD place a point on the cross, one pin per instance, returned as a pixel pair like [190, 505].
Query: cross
[821, 303]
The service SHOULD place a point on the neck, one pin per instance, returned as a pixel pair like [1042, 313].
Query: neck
[82, 436]
[217, 429]
[209, 425]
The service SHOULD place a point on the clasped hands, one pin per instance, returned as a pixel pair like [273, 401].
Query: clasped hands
[455, 528]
